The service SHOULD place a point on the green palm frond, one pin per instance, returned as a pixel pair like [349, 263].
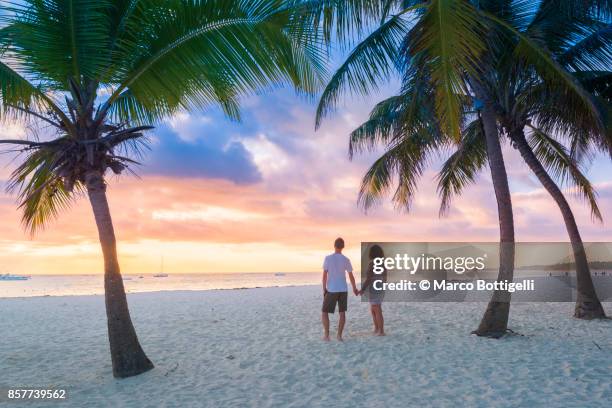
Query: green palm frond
[370, 62]
[400, 116]
[15, 90]
[51, 174]
[591, 53]
[405, 159]
[41, 192]
[556, 24]
[345, 20]
[414, 157]
[406, 126]
[449, 40]
[518, 13]
[127, 108]
[207, 52]
[119, 16]
[377, 180]
[462, 167]
[559, 163]
[61, 39]
[21, 99]
[556, 114]
[547, 14]
[379, 128]
[554, 76]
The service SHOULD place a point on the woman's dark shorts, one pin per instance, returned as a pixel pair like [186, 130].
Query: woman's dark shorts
[330, 300]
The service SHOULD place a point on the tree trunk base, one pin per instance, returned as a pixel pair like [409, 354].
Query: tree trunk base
[494, 323]
[135, 365]
[589, 310]
[490, 334]
[127, 355]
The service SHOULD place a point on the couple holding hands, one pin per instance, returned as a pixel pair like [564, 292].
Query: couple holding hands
[335, 289]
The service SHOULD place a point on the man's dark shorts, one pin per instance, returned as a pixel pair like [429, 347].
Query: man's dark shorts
[330, 300]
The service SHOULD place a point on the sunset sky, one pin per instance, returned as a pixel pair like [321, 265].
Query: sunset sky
[269, 194]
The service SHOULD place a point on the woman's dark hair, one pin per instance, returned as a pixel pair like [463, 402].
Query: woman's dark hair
[376, 252]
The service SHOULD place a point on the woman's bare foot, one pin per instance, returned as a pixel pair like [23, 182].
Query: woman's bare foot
[326, 338]
[380, 334]
[339, 338]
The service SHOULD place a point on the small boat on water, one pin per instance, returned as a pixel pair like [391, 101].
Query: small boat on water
[9, 277]
[161, 273]
[279, 274]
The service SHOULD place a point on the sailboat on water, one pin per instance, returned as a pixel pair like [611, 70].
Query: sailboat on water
[161, 274]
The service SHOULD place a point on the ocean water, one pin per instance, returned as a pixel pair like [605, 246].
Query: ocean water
[549, 288]
[67, 285]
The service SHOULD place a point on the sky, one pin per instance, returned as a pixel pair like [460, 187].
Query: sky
[270, 194]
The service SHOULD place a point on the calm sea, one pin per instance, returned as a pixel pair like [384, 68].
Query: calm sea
[62, 285]
[66, 285]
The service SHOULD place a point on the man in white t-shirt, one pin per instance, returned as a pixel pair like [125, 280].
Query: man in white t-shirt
[335, 268]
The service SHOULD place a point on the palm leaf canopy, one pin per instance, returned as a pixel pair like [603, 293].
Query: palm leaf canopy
[442, 37]
[542, 65]
[406, 126]
[90, 69]
[578, 38]
[156, 56]
[458, 41]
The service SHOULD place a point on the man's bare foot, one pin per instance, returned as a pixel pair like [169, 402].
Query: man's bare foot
[326, 338]
[339, 338]
[380, 334]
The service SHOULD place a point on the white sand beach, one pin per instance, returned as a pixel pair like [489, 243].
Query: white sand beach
[262, 348]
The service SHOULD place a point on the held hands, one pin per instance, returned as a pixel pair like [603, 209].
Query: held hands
[356, 292]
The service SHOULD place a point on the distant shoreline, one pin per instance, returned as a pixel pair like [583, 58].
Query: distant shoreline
[607, 265]
[133, 291]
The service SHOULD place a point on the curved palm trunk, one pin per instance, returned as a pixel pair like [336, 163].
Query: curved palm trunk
[588, 305]
[127, 356]
[494, 323]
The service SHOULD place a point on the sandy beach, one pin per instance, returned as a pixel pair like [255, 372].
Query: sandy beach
[263, 348]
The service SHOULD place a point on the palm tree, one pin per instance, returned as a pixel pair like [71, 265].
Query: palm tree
[555, 27]
[454, 45]
[579, 39]
[547, 158]
[98, 73]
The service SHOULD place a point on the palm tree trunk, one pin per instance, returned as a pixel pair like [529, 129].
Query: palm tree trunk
[588, 305]
[127, 356]
[494, 323]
